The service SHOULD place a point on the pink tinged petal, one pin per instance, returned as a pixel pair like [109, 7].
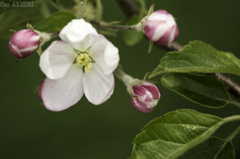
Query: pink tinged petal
[169, 36]
[61, 94]
[161, 15]
[145, 97]
[142, 93]
[140, 106]
[172, 34]
[162, 12]
[160, 31]
[23, 43]
[160, 27]
[149, 97]
[138, 90]
[176, 33]
[105, 54]
[97, 86]
[57, 59]
[109, 93]
[76, 31]
[151, 26]
[40, 90]
[155, 91]
[153, 103]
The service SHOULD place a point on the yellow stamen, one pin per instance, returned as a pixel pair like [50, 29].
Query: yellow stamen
[84, 61]
[86, 69]
[89, 65]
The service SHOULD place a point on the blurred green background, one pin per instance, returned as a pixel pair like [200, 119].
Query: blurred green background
[29, 131]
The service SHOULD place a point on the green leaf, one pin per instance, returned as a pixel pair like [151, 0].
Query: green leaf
[213, 148]
[198, 56]
[204, 90]
[132, 37]
[55, 22]
[174, 133]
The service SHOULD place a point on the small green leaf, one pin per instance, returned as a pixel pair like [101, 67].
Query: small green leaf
[55, 22]
[213, 148]
[204, 90]
[198, 56]
[132, 37]
[174, 133]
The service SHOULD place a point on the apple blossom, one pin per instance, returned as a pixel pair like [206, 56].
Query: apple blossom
[23, 43]
[80, 64]
[160, 27]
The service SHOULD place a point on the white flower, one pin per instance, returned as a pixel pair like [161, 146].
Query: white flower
[82, 63]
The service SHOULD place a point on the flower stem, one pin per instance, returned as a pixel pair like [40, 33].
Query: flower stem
[117, 27]
[231, 118]
[127, 80]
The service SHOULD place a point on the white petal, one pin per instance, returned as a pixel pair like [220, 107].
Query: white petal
[97, 86]
[87, 42]
[76, 31]
[158, 16]
[160, 31]
[105, 54]
[60, 94]
[57, 59]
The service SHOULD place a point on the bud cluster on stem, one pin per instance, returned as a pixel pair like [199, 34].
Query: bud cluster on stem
[159, 26]
[144, 95]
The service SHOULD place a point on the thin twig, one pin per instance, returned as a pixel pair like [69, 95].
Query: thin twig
[232, 87]
[114, 27]
[130, 9]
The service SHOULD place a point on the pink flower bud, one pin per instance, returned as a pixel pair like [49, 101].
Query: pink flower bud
[145, 97]
[160, 27]
[23, 43]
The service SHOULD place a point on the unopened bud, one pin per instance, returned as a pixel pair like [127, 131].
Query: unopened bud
[145, 97]
[23, 43]
[160, 27]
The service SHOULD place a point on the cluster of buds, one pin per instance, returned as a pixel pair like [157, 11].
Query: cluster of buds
[159, 27]
[144, 95]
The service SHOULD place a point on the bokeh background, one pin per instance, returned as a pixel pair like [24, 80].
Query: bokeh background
[29, 131]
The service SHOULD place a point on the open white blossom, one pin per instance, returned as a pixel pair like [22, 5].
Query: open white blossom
[83, 63]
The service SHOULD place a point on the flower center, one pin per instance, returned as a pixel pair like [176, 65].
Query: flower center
[85, 61]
